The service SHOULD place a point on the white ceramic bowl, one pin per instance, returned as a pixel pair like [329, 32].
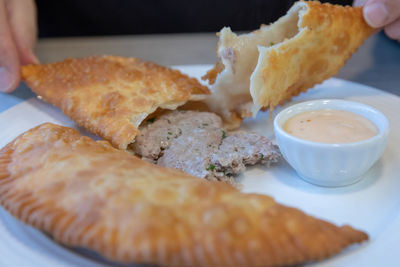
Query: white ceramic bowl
[331, 164]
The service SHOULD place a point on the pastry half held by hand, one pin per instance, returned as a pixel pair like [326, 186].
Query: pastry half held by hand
[110, 96]
[88, 194]
[269, 66]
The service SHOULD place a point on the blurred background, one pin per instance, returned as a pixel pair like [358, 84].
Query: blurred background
[64, 18]
[182, 32]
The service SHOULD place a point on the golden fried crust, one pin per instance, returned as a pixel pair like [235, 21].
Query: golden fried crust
[212, 74]
[109, 95]
[276, 62]
[328, 36]
[88, 194]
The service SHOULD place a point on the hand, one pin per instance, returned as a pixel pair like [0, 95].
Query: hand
[382, 14]
[18, 34]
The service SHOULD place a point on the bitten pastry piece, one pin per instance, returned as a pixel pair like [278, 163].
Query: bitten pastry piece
[88, 194]
[271, 65]
[110, 96]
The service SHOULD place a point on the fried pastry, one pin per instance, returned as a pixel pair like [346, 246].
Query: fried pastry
[88, 194]
[271, 65]
[110, 96]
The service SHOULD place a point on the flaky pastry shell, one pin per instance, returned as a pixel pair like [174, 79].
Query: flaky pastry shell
[110, 96]
[88, 194]
[269, 66]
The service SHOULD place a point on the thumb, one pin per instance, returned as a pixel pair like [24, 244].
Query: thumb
[9, 61]
[379, 13]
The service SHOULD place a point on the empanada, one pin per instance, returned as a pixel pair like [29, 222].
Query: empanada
[89, 194]
[110, 96]
[271, 65]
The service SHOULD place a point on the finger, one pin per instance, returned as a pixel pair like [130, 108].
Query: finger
[22, 18]
[393, 30]
[379, 13]
[9, 61]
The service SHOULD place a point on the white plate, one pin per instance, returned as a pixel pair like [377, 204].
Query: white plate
[373, 204]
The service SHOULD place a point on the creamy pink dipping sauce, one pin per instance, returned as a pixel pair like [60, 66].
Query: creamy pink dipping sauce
[330, 126]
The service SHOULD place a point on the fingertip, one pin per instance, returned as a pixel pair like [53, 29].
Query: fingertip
[376, 14]
[9, 80]
[29, 58]
[35, 60]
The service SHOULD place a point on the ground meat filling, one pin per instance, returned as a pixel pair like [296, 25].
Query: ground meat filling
[196, 143]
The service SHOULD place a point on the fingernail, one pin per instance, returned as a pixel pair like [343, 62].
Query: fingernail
[35, 60]
[31, 58]
[5, 80]
[376, 14]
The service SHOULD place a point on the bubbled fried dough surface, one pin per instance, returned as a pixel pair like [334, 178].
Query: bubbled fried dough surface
[88, 194]
[110, 95]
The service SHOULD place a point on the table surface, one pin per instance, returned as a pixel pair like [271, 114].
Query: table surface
[376, 63]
